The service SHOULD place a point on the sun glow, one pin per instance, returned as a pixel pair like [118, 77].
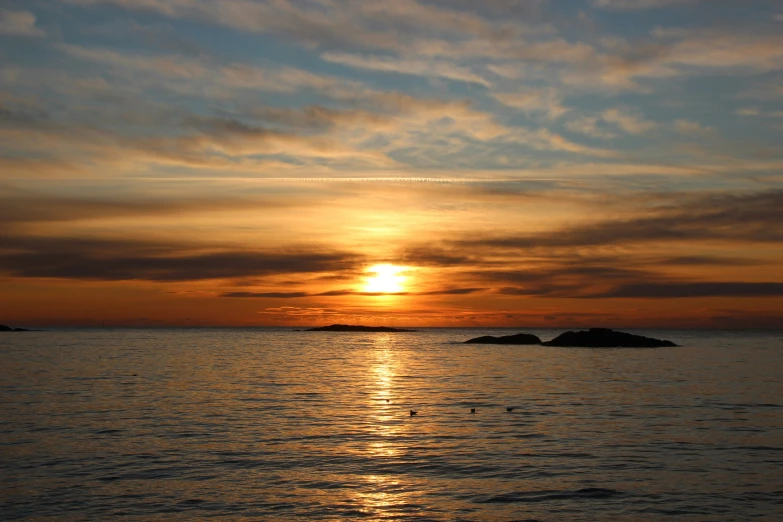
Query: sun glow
[387, 279]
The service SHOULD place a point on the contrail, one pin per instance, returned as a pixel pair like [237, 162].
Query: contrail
[315, 179]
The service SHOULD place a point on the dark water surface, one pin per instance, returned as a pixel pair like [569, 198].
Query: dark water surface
[272, 424]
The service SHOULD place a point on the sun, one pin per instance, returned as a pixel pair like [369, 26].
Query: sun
[387, 279]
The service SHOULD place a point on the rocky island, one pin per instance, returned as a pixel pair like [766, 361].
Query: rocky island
[592, 338]
[606, 338]
[4, 328]
[520, 338]
[356, 328]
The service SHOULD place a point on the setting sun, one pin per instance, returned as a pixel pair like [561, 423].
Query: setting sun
[387, 279]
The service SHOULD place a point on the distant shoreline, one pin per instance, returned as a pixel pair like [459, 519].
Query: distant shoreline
[357, 328]
[49, 327]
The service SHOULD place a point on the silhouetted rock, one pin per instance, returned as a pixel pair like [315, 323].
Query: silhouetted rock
[4, 328]
[520, 338]
[606, 338]
[356, 328]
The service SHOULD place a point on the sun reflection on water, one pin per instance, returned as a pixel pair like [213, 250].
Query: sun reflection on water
[386, 499]
[383, 374]
[383, 497]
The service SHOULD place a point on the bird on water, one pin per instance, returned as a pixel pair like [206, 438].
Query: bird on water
[473, 410]
[510, 408]
[413, 413]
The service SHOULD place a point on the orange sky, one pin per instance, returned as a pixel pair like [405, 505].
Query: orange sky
[467, 254]
[583, 163]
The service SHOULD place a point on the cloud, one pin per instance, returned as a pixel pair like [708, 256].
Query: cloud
[771, 90]
[374, 125]
[373, 133]
[427, 68]
[617, 64]
[589, 127]
[544, 139]
[701, 260]
[660, 289]
[198, 142]
[433, 256]
[640, 4]
[319, 117]
[744, 218]
[18, 23]
[122, 260]
[214, 77]
[237, 138]
[419, 32]
[20, 114]
[548, 101]
[571, 275]
[568, 277]
[753, 111]
[409, 28]
[691, 127]
[650, 240]
[622, 119]
[343, 293]
[627, 121]
[693, 289]
[27, 206]
[274, 295]
[333, 25]
[708, 51]
[453, 291]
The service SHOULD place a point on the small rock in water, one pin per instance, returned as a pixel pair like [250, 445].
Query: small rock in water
[520, 338]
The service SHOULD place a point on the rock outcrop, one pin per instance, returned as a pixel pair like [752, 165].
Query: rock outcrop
[606, 338]
[356, 328]
[4, 328]
[520, 338]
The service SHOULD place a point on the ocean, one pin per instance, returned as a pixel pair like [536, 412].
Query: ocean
[277, 424]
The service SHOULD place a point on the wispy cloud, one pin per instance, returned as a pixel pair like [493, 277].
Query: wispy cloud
[347, 293]
[334, 25]
[431, 69]
[689, 289]
[547, 101]
[212, 76]
[122, 260]
[743, 218]
[692, 127]
[589, 127]
[640, 4]
[627, 121]
[18, 23]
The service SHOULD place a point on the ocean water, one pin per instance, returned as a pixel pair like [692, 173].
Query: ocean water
[275, 424]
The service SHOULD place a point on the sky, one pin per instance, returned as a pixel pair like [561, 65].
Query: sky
[520, 163]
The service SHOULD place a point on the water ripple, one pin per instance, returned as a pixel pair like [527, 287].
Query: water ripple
[271, 424]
